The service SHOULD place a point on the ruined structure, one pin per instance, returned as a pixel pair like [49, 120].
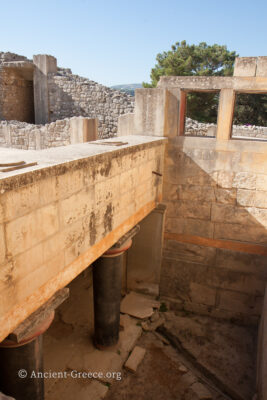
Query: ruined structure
[200, 202]
[39, 92]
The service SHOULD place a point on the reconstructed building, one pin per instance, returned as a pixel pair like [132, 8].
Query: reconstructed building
[200, 202]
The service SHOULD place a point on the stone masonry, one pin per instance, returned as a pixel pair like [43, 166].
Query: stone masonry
[68, 95]
[72, 95]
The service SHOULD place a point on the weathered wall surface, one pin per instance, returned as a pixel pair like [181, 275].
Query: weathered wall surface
[6, 57]
[72, 95]
[67, 96]
[215, 253]
[216, 226]
[56, 220]
[16, 96]
[20, 135]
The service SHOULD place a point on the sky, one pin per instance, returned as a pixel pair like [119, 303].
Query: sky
[116, 42]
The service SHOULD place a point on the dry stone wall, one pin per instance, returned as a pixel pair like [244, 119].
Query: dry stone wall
[16, 93]
[16, 96]
[21, 135]
[72, 95]
[197, 128]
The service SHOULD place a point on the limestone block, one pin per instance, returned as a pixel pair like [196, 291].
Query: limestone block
[231, 214]
[21, 201]
[245, 66]
[145, 170]
[24, 232]
[258, 216]
[245, 233]
[156, 112]
[245, 180]
[198, 227]
[195, 193]
[190, 252]
[252, 198]
[135, 359]
[174, 225]
[225, 179]
[225, 196]
[106, 191]
[129, 179]
[234, 280]
[27, 261]
[243, 262]
[239, 302]
[143, 188]
[176, 276]
[77, 206]
[141, 158]
[48, 190]
[189, 210]
[69, 183]
[125, 125]
[202, 294]
[261, 183]
[261, 67]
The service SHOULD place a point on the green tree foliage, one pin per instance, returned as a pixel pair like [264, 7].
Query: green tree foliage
[251, 109]
[204, 60]
[199, 60]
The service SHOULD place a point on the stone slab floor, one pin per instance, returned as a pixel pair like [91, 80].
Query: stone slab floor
[191, 358]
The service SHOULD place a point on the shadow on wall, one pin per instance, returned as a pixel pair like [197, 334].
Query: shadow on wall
[71, 95]
[214, 259]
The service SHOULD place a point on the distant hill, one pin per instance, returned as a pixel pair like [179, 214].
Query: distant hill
[129, 88]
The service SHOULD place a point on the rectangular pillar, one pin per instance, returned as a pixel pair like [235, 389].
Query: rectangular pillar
[83, 130]
[43, 65]
[156, 112]
[225, 114]
[144, 257]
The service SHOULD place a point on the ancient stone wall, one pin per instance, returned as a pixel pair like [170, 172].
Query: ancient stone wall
[6, 57]
[60, 216]
[214, 259]
[16, 96]
[20, 135]
[196, 128]
[72, 95]
[215, 256]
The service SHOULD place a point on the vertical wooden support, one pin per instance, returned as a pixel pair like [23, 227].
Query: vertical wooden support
[182, 113]
[225, 114]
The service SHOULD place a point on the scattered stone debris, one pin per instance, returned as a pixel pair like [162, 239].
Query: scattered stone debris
[153, 325]
[135, 358]
[138, 306]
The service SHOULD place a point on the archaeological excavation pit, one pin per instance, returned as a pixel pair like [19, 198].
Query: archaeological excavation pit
[132, 266]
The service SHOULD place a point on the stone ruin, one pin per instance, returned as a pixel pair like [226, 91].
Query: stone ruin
[152, 211]
[45, 94]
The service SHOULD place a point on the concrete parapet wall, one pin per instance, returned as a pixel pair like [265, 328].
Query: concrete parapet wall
[57, 218]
